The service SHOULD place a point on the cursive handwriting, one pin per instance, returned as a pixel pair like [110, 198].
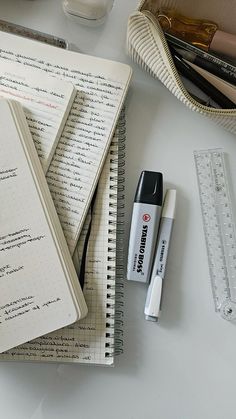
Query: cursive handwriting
[84, 140]
[8, 173]
[17, 239]
[8, 270]
[44, 101]
[22, 306]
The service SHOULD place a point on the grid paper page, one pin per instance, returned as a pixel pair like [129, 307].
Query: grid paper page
[91, 340]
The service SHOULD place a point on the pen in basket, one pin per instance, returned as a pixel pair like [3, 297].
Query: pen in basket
[206, 60]
[185, 70]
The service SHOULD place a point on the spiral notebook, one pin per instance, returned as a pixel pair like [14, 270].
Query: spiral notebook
[97, 338]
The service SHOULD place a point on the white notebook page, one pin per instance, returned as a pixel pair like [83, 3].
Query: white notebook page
[81, 151]
[46, 102]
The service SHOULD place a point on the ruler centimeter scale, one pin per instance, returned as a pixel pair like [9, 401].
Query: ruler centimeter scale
[219, 228]
[33, 34]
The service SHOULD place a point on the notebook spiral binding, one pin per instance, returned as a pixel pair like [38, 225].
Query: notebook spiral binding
[115, 277]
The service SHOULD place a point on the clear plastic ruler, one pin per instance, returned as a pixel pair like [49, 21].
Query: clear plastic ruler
[219, 228]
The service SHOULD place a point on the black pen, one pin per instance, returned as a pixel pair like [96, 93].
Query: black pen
[206, 60]
[207, 65]
[199, 81]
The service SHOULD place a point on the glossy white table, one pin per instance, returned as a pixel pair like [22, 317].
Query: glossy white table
[183, 367]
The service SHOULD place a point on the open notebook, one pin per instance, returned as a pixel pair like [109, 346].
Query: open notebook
[97, 338]
[46, 101]
[76, 165]
[39, 287]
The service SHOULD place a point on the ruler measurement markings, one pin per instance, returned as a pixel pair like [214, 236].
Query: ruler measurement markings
[218, 227]
[228, 228]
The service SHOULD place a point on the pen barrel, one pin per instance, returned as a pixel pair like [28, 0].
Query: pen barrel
[202, 83]
[143, 236]
[217, 70]
[163, 243]
[153, 300]
[210, 62]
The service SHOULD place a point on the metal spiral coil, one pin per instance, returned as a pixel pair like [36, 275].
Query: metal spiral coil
[115, 285]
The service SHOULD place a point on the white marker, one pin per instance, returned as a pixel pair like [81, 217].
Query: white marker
[144, 226]
[153, 300]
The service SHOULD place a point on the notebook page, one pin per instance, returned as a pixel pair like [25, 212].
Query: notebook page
[46, 102]
[35, 296]
[87, 341]
[81, 151]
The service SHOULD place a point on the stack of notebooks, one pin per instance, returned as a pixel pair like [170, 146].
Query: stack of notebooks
[61, 172]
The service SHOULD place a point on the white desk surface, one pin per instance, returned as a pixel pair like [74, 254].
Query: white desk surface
[184, 367]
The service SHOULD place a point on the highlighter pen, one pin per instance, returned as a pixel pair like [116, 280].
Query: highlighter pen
[154, 294]
[144, 226]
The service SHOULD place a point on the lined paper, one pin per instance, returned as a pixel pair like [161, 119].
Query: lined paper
[101, 87]
[46, 102]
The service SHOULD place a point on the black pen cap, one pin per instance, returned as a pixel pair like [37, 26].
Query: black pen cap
[150, 188]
